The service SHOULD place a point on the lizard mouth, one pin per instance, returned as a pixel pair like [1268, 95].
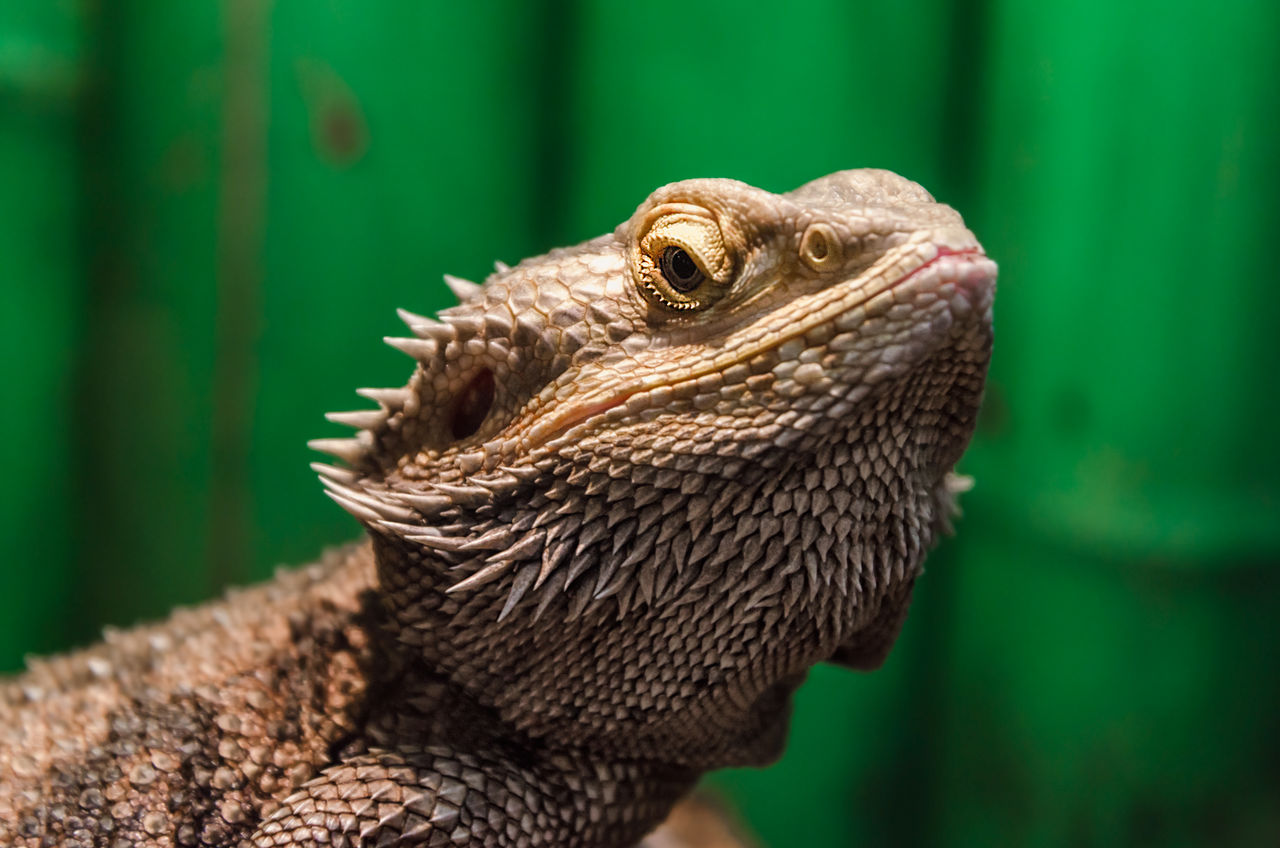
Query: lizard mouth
[967, 269]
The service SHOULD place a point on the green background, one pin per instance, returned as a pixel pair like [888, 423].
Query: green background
[208, 211]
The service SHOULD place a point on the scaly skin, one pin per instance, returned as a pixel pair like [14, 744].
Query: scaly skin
[633, 490]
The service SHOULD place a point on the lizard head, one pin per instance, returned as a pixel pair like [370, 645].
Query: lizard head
[738, 408]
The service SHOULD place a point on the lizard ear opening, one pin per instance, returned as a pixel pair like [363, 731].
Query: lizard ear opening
[472, 405]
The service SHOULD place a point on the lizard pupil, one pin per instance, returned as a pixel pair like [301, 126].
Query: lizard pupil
[472, 406]
[679, 269]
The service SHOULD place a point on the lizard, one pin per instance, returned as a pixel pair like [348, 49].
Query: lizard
[631, 492]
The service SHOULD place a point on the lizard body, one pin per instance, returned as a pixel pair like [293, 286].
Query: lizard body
[632, 491]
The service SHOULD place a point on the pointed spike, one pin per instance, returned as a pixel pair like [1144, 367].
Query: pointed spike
[333, 472]
[626, 594]
[812, 565]
[604, 574]
[522, 472]
[358, 510]
[496, 483]
[465, 323]
[415, 321]
[579, 602]
[644, 546]
[591, 534]
[494, 539]
[552, 556]
[402, 529]
[580, 563]
[390, 398]
[350, 451]
[471, 462]
[524, 549]
[620, 580]
[461, 493]
[663, 579]
[361, 419]
[424, 503]
[437, 542]
[549, 595]
[644, 581]
[380, 508]
[622, 536]
[500, 266]
[703, 547]
[463, 290]
[519, 586]
[957, 484]
[485, 575]
[419, 349]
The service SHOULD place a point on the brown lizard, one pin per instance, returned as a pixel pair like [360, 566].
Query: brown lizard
[632, 491]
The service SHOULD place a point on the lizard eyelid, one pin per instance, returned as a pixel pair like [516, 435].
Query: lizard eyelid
[683, 261]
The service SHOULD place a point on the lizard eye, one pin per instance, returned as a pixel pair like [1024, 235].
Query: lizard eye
[682, 261]
[679, 269]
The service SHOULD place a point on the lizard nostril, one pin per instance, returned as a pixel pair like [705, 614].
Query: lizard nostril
[472, 405]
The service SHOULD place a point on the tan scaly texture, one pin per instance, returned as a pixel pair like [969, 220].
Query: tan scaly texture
[631, 493]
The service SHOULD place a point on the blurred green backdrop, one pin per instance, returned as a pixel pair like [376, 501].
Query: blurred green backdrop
[208, 211]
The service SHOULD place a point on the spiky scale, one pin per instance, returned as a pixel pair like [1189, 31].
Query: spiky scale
[357, 509]
[419, 349]
[389, 398]
[361, 419]
[489, 573]
[333, 472]
[463, 290]
[350, 451]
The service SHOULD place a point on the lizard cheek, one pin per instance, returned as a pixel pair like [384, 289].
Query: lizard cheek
[472, 405]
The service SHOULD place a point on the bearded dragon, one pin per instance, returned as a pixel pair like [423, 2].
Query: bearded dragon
[632, 491]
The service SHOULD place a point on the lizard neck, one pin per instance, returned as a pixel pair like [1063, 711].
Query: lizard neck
[696, 673]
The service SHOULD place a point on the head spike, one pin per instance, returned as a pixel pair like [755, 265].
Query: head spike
[362, 504]
[419, 349]
[417, 323]
[463, 290]
[361, 419]
[349, 451]
[500, 266]
[333, 472]
[390, 398]
[465, 323]
[358, 510]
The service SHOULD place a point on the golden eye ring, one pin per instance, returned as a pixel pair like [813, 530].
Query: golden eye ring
[682, 261]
